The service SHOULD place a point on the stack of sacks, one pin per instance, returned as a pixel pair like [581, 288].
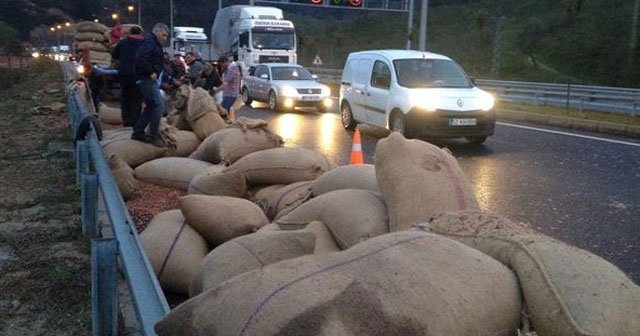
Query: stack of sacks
[90, 36]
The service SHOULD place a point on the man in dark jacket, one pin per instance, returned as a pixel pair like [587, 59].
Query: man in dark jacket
[195, 67]
[125, 54]
[149, 63]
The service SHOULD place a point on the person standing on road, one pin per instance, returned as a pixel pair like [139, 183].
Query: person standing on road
[230, 82]
[149, 63]
[125, 54]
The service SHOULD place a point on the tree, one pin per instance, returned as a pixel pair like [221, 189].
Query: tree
[9, 41]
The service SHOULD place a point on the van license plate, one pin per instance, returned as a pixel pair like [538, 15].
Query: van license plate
[310, 97]
[463, 122]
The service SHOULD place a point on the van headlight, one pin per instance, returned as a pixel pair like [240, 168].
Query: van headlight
[486, 101]
[326, 91]
[424, 102]
[289, 91]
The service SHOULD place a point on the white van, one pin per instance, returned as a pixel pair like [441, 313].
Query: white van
[418, 94]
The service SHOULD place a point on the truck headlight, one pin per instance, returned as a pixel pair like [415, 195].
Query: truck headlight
[289, 91]
[486, 101]
[326, 91]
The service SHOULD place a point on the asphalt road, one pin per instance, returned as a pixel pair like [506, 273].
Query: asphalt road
[576, 187]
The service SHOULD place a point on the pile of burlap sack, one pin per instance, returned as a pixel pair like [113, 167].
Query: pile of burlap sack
[91, 35]
[272, 240]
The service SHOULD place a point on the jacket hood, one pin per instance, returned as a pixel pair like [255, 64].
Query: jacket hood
[136, 36]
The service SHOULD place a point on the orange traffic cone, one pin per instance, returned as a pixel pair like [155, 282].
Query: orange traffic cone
[356, 149]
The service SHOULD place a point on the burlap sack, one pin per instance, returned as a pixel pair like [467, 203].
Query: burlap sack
[568, 291]
[360, 176]
[171, 172]
[100, 57]
[231, 143]
[279, 200]
[352, 215]
[90, 26]
[200, 103]
[247, 253]
[127, 183]
[133, 152]
[186, 143]
[269, 227]
[282, 166]
[405, 283]
[175, 250]
[324, 239]
[221, 218]
[94, 46]
[217, 183]
[418, 179]
[206, 125]
[126, 28]
[109, 115]
[89, 36]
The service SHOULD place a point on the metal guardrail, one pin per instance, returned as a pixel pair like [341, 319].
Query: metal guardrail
[93, 175]
[582, 97]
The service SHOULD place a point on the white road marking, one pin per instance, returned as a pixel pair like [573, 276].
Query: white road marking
[571, 134]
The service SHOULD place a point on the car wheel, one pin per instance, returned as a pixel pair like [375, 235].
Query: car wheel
[348, 122]
[478, 140]
[273, 102]
[398, 124]
[321, 108]
[246, 99]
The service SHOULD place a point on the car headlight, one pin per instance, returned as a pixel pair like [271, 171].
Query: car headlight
[486, 101]
[424, 102]
[289, 91]
[80, 69]
[326, 91]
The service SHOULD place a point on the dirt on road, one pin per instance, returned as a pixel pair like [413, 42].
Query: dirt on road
[44, 258]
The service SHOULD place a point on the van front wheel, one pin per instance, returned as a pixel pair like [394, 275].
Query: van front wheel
[399, 125]
[347, 117]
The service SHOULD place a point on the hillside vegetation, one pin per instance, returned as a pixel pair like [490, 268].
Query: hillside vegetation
[584, 41]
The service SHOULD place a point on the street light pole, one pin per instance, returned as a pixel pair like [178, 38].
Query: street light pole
[140, 13]
[423, 24]
[171, 20]
[409, 24]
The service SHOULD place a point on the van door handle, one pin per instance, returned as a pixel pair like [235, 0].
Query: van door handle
[345, 83]
[368, 94]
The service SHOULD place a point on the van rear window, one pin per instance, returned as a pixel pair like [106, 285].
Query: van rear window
[430, 73]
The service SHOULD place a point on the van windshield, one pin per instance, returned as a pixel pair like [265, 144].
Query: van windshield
[430, 73]
[291, 73]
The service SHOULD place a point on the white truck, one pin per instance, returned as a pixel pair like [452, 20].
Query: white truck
[254, 35]
[186, 39]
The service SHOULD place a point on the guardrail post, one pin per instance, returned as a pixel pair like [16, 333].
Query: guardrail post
[89, 205]
[82, 159]
[104, 287]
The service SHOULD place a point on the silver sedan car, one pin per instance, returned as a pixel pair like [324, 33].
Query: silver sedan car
[285, 86]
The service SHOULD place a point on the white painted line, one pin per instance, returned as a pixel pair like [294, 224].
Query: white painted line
[571, 134]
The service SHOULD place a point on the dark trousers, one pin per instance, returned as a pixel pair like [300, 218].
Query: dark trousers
[153, 110]
[130, 101]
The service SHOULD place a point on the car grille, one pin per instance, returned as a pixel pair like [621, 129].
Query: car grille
[309, 91]
[273, 59]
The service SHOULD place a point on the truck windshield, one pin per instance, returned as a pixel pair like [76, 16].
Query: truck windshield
[291, 73]
[430, 73]
[273, 40]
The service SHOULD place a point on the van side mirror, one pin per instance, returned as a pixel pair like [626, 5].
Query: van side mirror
[314, 76]
[264, 76]
[473, 80]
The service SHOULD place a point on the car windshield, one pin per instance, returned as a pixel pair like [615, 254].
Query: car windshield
[290, 73]
[271, 40]
[430, 73]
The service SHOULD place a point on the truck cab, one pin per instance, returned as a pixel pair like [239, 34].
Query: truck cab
[186, 39]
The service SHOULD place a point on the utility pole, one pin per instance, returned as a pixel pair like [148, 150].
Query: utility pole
[140, 13]
[171, 22]
[633, 40]
[409, 24]
[423, 25]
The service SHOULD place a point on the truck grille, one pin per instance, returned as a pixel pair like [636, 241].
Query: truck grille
[273, 59]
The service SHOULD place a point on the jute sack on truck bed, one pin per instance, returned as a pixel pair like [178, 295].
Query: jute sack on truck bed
[405, 283]
[418, 179]
[89, 36]
[324, 239]
[221, 218]
[281, 166]
[186, 143]
[352, 215]
[247, 253]
[100, 57]
[109, 115]
[360, 176]
[280, 200]
[175, 250]
[231, 143]
[133, 152]
[127, 183]
[217, 183]
[94, 46]
[568, 291]
[206, 125]
[90, 26]
[171, 172]
[177, 107]
[200, 103]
